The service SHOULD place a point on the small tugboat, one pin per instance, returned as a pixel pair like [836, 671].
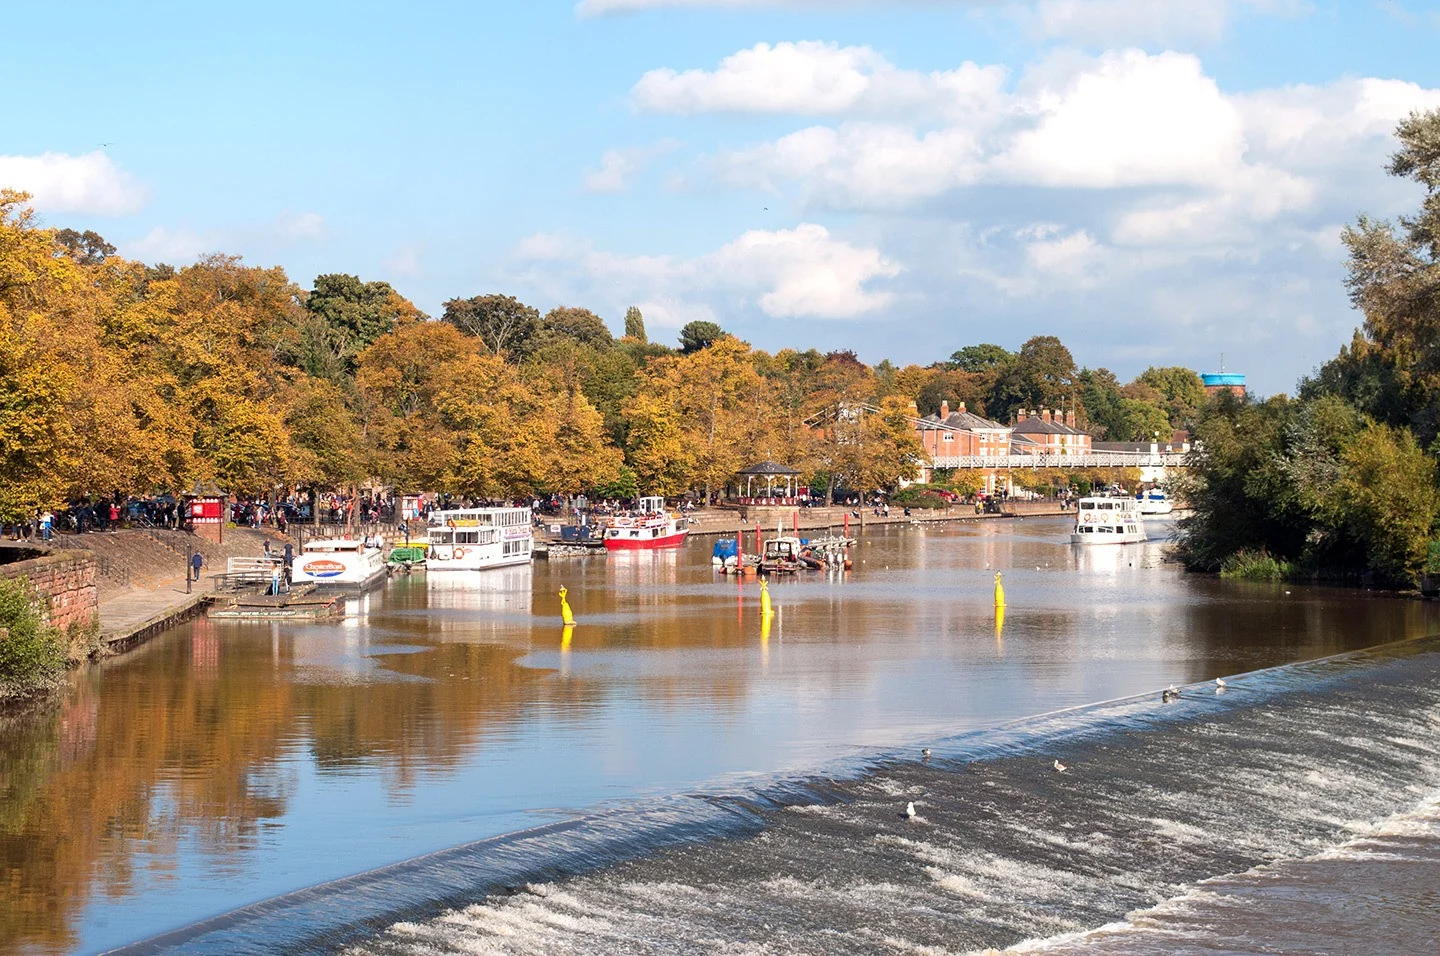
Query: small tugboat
[648, 526]
[1108, 521]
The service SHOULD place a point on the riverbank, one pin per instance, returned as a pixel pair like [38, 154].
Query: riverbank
[724, 521]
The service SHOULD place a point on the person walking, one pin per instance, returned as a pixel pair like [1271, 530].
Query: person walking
[288, 562]
[196, 563]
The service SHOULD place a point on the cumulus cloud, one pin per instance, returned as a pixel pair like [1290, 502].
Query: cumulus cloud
[803, 272]
[618, 167]
[1184, 160]
[60, 182]
[815, 78]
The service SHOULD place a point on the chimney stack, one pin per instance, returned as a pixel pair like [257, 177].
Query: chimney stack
[944, 409]
[1070, 418]
[962, 408]
[1045, 415]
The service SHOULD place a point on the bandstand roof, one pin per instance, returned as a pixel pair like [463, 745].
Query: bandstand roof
[765, 468]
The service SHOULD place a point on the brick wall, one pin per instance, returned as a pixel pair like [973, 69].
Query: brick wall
[66, 582]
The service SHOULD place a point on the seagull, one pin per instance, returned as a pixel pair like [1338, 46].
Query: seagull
[1060, 767]
[910, 811]
[925, 754]
[1220, 683]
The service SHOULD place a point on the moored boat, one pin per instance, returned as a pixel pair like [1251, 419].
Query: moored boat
[1108, 521]
[1154, 502]
[340, 562]
[648, 526]
[473, 539]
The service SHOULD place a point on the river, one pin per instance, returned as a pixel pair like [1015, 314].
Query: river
[672, 776]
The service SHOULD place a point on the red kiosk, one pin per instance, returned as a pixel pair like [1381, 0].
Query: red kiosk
[205, 504]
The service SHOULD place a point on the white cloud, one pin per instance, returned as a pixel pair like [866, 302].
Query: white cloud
[59, 182]
[175, 246]
[618, 167]
[814, 78]
[1097, 23]
[1117, 22]
[305, 225]
[803, 272]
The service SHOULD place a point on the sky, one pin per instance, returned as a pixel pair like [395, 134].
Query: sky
[1157, 182]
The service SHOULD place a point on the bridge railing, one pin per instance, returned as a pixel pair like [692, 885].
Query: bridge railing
[1102, 459]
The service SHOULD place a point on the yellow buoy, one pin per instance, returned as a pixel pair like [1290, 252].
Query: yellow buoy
[765, 628]
[565, 614]
[999, 591]
[765, 609]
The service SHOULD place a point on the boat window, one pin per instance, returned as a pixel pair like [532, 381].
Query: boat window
[1087, 505]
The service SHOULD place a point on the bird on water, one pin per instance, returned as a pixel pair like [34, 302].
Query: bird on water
[925, 754]
[1220, 683]
[1060, 767]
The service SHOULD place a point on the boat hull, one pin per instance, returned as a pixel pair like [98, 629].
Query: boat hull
[1099, 540]
[483, 564]
[645, 544]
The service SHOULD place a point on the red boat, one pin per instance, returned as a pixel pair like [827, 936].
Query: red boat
[650, 526]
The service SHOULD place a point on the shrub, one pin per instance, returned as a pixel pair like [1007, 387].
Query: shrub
[1255, 566]
[32, 652]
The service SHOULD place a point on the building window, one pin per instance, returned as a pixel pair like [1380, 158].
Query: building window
[948, 437]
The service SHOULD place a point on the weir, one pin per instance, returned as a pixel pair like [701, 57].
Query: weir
[1282, 765]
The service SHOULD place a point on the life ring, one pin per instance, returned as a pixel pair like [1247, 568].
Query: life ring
[458, 553]
[1088, 518]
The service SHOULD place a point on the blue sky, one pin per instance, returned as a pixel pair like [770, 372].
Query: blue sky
[1156, 182]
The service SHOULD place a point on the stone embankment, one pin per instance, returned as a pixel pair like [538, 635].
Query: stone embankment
[139, 577]
[66, 584]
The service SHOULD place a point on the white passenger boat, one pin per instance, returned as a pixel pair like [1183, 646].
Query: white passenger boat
[473, 539]
[1108, 521]
[1154, 502]
[340, 562]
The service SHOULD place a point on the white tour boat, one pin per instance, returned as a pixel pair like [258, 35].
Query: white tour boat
[1154, 502]
[340, 562]
[472, 539]
[649, 526]
[1108, 521]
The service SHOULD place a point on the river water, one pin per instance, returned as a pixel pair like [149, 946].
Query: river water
[463, 776]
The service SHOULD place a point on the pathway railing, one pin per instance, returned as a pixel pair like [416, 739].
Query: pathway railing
[1099, 459]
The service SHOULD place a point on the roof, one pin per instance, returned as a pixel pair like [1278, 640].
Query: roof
[205, 489]
[1039, 426]
[965, 421]
[767, 468]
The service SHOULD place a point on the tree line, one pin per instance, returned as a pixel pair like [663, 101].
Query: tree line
[120, 375]
[1340, 481]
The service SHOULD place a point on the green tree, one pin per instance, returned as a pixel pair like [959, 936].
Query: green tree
[505, 324]
[981, 358]
[635, 325]
[30, 650]
[699, 335]
[577, 325]
[343, 317]
[1181, 390]
[1388, 502]
[1392, 368]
